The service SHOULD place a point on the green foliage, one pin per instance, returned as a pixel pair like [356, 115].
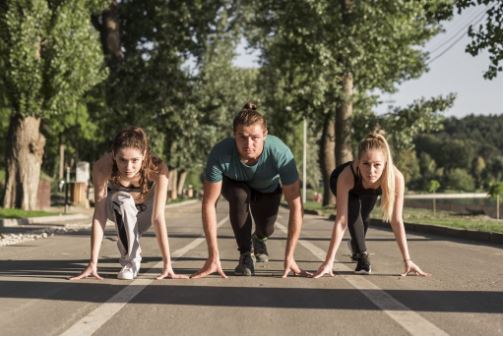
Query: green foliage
[460, 180]
[472, 143]
[312, 43]
[219, 92]
[151, 86]
[495, 190]
[307, 46]
[403, 124]
[433, 186]
[488, 36]
[51, 57]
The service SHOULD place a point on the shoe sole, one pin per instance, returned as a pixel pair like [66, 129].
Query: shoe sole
[122, 278]
[134, 277]
[245, 274]
[362, 272]
[259, 259]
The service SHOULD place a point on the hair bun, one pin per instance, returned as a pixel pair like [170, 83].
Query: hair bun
[250, 105]
[377, 133]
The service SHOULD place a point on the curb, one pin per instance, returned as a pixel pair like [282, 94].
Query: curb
[38, 220]
[68, 217]
[486, 237]
[479, 236]
[182, 203]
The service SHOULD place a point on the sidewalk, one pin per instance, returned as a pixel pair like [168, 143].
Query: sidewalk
[17, 230]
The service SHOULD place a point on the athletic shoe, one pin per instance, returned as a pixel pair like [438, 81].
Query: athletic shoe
[354, 255]
[129, 271]
[363, 264]
[260, 249]
[246, 266]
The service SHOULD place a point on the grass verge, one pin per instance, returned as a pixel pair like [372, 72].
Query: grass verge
[422, 216]
[7, 213]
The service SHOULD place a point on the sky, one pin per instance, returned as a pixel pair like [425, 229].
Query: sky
[452, 70]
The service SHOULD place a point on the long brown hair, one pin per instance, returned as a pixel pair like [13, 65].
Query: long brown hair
[376, 141]
[135, 137]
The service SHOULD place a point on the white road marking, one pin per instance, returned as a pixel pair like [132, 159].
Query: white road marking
[99, 316]
[411, 321]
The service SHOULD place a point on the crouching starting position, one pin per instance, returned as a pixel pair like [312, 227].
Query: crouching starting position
[357, 185]
[251, 170]
[130, 187]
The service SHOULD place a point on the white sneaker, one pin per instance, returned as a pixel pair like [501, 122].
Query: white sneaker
[129, 272]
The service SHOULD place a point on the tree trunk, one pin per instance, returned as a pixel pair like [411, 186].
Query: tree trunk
[344, 122]
[498, 207]
[25, 148]
[173, 183]
[61, 171]
[181, 181]
[107, 23]
[327, 161]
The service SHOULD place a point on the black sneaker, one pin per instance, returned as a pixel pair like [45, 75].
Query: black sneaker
[260, 249]
[363, 264]
[246, 266]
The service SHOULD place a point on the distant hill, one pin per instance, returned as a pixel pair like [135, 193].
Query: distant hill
[465, 155]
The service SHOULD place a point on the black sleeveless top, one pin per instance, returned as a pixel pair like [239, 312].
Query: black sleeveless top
[358, 188]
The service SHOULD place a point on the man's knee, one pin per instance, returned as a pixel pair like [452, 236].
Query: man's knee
[236, 195]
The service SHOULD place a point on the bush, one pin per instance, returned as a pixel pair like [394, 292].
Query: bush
[460, 180]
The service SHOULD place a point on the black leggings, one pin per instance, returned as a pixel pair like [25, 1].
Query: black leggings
[246, 203]
[360, 205]
[359, 208]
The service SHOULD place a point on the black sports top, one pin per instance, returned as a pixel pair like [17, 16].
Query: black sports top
[358, 188]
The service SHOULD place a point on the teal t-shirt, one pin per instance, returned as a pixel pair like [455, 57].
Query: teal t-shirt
[275, 163]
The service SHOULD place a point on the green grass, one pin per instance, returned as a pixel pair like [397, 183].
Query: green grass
[454, 220]
[7, 213]
[311, 205]
[426, 217]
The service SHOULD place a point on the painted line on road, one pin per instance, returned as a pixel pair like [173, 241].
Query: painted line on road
[411, 321]
[90, 323]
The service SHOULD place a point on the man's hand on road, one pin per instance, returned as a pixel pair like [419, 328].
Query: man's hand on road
[211, 266]
[323, 270]
[411, 267]
[168, 273]
[292, 267]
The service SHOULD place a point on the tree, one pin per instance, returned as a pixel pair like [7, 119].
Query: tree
[495, 191]
[478, 166]
[432, 188]
[50, 56]
[486, 37]
[459, 179]
[472, 143]
[326, 55]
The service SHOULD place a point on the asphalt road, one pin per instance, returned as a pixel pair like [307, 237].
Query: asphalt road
[463, 296]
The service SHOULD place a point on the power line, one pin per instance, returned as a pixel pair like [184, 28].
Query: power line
[431, 60]
[465, 25]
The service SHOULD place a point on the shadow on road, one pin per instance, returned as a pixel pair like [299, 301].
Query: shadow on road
[172, 293]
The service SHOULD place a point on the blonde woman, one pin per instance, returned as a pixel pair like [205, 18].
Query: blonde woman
[357, 185]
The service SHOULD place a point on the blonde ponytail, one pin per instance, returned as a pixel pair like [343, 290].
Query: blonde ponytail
[376, 141]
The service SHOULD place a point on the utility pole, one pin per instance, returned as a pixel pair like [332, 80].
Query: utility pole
[304, 158]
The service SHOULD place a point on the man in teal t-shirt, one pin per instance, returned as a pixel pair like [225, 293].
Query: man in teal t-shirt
[251, 170]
